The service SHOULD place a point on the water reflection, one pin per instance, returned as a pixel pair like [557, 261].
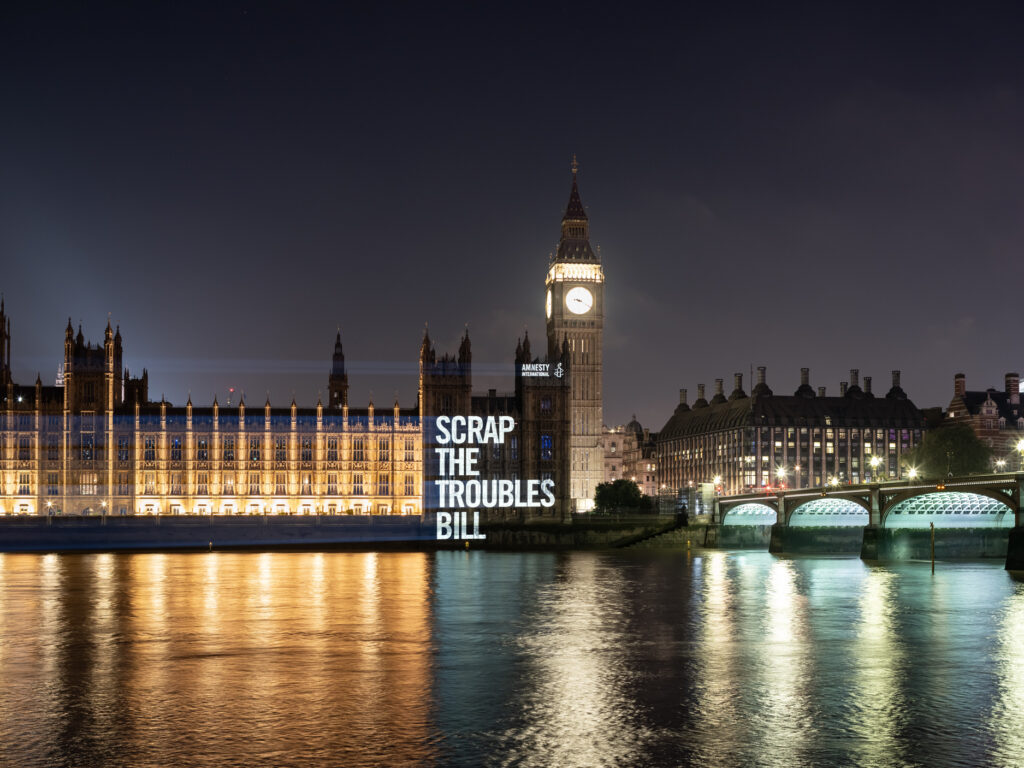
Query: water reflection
[785, 717]
[1009, 705]
[879, 706]
[576, 711]
[473, 658]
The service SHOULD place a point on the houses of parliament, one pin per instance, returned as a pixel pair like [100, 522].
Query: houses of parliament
[97, 444]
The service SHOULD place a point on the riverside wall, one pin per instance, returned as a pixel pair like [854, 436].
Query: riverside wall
[165, 532]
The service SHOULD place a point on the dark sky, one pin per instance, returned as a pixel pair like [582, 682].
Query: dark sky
[823, 185]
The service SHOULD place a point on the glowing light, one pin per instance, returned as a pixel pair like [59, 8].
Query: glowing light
[717, 479]
[781, 473]
[834, 481]
[912, 473]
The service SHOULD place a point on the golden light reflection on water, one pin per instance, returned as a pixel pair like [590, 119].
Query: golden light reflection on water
[1007, 714]
[879, 702]
[270, 658]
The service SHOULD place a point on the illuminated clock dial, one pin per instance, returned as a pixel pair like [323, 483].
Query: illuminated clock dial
[579, 300]
[547, 304]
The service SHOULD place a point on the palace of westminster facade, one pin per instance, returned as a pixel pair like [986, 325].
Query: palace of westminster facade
[96, 443]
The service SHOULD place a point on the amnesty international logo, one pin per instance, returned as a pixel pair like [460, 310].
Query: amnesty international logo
[559, 371]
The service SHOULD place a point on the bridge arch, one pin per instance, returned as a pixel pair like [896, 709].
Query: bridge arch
[750, 513]
[978, 508]
[829, 512]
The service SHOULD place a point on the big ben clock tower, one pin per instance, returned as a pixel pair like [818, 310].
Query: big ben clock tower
[574, 305]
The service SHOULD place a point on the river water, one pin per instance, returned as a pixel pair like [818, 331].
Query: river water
[536, 659]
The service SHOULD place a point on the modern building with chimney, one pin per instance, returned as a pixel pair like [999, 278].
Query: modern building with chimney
[995, 416]
[744, 442]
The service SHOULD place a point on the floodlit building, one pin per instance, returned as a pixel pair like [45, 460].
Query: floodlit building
[98, 444]
[807, 439]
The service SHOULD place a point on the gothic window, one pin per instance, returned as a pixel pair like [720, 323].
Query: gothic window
[545, 405]
[279, 484]
[202, 484]
[410, 449]
[383, 485]
[410, 485]
[358, 450]
[254, 449]
[87, 448]
[280, 449]
[202, 449]
[513, 448]
[175, 448]
[229, 485]
[150, 484]
[175, 483]
[546, 447]
[122, 484]
[307, 486]
[229, 449]
[24, 449]
[383, 449]
[52, 484]
[307, 449]
[53, 449]
[357, 485]
[332, 449]
[254, 483]
[122, 448]
[25, 484]
[332, 484]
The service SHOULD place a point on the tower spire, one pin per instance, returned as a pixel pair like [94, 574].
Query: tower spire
[574, 244]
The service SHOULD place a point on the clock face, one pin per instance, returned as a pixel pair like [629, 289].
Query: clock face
[579, 300]
[547, 305]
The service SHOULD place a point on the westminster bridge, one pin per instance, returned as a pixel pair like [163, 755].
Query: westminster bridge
[966, 517]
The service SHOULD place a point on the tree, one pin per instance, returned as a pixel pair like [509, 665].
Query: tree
[618, 494]
[952, 449]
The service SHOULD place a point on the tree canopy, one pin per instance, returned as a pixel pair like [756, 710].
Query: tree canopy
[619, 494]
[952, 449]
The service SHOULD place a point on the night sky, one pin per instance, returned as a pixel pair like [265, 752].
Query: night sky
[832, 186]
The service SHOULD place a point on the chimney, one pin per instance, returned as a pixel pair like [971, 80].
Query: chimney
[737, 380]
[682, 397]
[895, 379]
[959, 385]
[821, 391]
[867, 385]
[805, 377]
[1013, 388]
[700, 392]
[842, 388]
[760, 374]
[719, 389]
[855, 378]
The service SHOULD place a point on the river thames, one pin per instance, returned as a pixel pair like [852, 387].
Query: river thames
[482, 658]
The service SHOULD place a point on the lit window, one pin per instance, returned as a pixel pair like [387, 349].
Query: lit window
[332, 449]
[410, 485]
[229, 449]
[546, 447]
[357, 485]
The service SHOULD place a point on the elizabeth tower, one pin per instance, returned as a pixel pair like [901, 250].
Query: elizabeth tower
[574, 305]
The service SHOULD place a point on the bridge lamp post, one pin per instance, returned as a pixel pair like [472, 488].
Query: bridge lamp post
[834, 481]
[912, 473]
[1001, 465]
[875, 463]
[780, 475]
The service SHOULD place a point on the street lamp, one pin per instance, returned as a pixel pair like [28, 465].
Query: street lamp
[912, 473]
[875, 463]
[834, 481]
[780, 475]
[1001, 465]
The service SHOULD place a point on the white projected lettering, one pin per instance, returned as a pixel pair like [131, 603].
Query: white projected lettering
[460, 485]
